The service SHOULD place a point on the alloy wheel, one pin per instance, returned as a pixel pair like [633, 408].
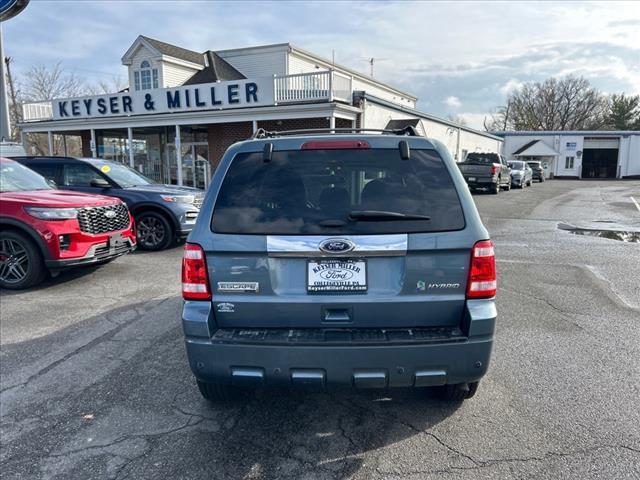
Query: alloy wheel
[14, 261]
[151, 232]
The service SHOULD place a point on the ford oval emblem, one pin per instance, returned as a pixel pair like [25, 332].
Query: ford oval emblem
[337, 245]
[110, 214]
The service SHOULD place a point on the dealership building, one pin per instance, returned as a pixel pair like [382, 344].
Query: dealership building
[578, 154]
[184, 108]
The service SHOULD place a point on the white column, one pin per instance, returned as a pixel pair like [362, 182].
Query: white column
[50, 140]
[178, 145]
[254, 125]
[332, 122]
[353, 125]
[94, 147]
[130, 149]
[64, 144]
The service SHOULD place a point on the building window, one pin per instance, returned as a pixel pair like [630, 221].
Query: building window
[146, 78]
[568, 163]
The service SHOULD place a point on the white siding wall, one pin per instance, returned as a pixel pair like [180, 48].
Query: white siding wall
[257, 64]
[174, 75]
[630, 156]
[384, 94]
[569, 151]
[301, 64]
[473, 142]
[377, 116]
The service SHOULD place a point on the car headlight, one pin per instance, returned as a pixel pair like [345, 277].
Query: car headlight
[178, 198]
[52, 213]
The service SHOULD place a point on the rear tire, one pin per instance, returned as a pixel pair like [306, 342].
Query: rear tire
[21, 264]
[153, 230]
[495, 188]
[218, 392]
[459, 391]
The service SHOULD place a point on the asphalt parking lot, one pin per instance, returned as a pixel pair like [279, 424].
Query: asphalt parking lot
[95, 383]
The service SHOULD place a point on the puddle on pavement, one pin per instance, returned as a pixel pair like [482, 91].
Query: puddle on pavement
[616, 231]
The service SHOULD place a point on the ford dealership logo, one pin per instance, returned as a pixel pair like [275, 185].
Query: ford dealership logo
[337, 245]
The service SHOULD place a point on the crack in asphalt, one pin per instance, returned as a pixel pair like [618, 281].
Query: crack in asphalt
[87, 346]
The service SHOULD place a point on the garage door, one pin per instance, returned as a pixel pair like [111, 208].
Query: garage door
[601, 142]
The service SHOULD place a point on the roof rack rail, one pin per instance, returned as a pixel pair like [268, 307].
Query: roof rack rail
[409, 130]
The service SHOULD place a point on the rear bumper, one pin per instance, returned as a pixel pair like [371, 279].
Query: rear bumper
[360, 366]
[481, 182]
[267, 362]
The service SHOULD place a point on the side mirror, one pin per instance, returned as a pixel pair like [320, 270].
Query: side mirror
[100, 183]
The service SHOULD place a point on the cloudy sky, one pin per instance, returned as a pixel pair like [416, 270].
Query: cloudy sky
[459, 58]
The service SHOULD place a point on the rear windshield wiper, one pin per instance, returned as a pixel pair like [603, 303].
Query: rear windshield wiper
[379, 215]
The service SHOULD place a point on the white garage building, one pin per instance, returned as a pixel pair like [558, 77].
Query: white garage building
[578, 154]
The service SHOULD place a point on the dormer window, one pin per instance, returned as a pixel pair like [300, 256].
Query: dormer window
[146, 78]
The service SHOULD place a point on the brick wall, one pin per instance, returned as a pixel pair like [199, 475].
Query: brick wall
[85, 136]
[294, 124]
[222, 135]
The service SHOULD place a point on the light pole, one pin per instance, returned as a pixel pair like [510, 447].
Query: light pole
[8, 9]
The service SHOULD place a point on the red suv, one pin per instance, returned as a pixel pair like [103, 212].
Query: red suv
[43, 229]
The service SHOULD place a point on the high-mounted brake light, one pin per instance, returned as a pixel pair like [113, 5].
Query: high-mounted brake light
[195, 280]
[482, 282]
[335, 145]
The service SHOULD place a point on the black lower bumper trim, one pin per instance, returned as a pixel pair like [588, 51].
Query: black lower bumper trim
[334, 336]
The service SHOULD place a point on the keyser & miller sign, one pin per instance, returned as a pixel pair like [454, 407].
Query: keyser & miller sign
[205, 96]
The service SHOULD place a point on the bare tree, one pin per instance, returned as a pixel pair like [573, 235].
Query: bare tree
[457, 119]
[569, 103]
[44, 83]
[114, 84]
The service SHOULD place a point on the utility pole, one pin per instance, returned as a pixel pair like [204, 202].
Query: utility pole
[13, 96]
[5, 123]
[7, 10]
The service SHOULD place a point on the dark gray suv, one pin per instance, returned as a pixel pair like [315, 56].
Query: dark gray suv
[338, 259]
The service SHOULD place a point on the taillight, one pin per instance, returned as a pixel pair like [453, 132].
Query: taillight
[482, 282]
[494, 169]
[195, 280]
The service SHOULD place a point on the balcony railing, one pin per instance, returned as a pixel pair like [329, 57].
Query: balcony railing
[309, 87]
[321, 86]
[32, 112]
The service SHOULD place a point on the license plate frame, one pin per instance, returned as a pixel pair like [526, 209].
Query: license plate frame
[356, 266]
[115, 241]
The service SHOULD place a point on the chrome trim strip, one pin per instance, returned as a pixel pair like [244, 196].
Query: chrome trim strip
[391, 245]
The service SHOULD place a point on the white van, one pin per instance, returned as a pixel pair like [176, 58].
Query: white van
[11, 149]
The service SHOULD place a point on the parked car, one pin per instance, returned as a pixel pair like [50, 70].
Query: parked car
[11, 149]
[487, 171]
[46, 230]
[521, 174]
[338, 260]
[537, 171]
[163, 213]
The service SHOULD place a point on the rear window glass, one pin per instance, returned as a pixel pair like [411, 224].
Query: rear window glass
[482, 158]
[337, 192]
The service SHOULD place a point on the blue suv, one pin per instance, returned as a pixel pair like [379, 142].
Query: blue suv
[162, 213]
[338, 259]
